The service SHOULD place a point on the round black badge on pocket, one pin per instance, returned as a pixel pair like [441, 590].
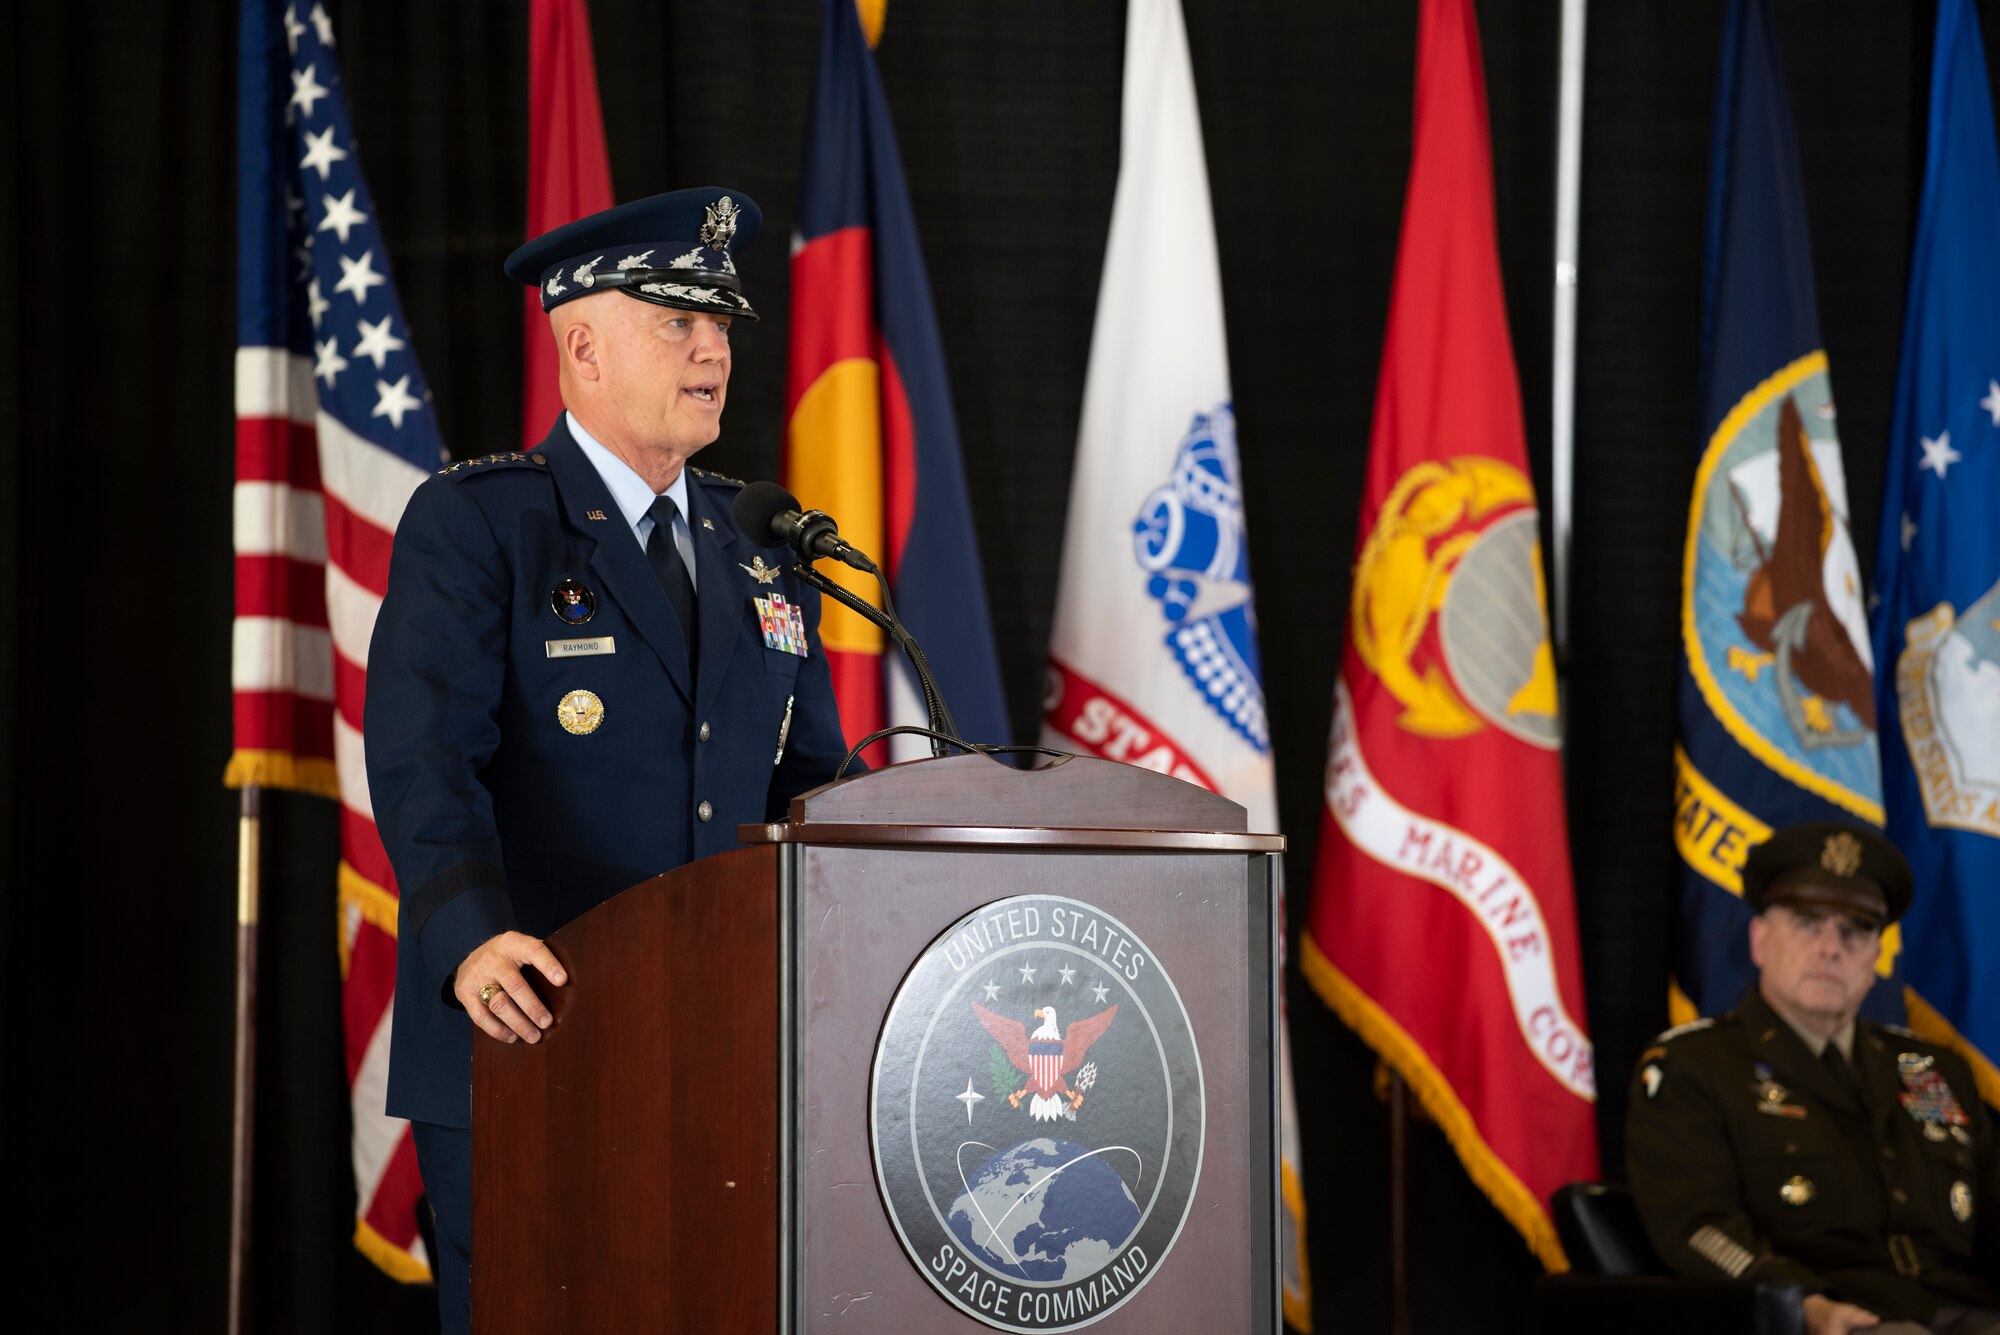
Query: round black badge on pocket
[573, 602]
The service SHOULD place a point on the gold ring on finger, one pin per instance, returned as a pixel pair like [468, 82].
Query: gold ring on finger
[487, 993]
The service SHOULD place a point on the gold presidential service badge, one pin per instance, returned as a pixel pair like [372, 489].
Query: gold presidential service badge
[1796, 1191]
[580, 712]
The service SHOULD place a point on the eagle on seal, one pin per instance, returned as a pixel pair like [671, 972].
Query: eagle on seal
[1045, 1057]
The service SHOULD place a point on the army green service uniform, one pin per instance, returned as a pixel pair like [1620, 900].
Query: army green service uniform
[1878, 1185]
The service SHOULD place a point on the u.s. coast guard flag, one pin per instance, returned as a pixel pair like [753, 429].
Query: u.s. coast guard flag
[1444, 839]
[1937, 626]
[334, 430]
[1153, 655]
[870, 437]
[1777, 687]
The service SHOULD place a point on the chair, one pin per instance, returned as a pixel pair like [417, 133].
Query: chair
[1617, 1283]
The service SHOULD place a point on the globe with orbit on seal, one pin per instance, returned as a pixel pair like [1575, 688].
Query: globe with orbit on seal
[1046, 1211]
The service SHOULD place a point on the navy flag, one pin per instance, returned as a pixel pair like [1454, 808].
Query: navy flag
[1777, 692]
[1937, 624]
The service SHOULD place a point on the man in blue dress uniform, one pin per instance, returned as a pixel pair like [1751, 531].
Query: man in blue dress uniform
[572, 683]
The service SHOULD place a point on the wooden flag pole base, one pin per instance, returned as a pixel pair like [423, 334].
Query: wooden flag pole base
[248, 847]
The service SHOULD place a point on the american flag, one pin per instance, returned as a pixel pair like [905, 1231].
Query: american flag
[334, 430]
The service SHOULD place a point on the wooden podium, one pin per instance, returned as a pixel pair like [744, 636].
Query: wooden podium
[693, 1146]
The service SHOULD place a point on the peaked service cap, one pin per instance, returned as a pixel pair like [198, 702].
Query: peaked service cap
[1833, 865]
[671, 250]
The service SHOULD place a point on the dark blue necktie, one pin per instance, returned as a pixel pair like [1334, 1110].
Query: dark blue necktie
[665, 559]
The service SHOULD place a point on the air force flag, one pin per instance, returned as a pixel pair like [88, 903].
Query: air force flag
[1937, 624]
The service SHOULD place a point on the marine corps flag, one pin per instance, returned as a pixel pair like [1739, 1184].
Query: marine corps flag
[1937, 625]
[1153, 655]
[1444, 838]
[870, 435]
[1777, 690]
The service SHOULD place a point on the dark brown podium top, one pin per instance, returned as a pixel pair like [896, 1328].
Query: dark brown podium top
[927, 802]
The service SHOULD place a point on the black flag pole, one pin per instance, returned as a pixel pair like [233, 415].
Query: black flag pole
[1399, 1206]
[248, 849]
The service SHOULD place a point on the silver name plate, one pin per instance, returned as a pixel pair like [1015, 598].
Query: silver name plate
[603, 644]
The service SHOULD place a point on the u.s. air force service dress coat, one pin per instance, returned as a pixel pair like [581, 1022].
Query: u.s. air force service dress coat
[507, 800]
[1749, 1156]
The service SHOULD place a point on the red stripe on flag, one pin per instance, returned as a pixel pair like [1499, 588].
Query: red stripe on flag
[283, 587]
[833, 304]
[899, 463]
[393, 1212]
[350, 689]
[367, 991]
[361, 845]
[283, 721]
[358, 546]
[276, 449]
[1098, 723]
[857, 685]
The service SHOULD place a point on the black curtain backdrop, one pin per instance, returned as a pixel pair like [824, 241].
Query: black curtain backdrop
[119, 849]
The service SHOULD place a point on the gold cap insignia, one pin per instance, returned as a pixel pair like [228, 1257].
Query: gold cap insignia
[1961, 1202]
[1842, 854]
[1797, 1191]
[580, 712]
[720, 227]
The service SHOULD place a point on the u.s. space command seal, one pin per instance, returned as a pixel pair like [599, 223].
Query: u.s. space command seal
[1037, 1114]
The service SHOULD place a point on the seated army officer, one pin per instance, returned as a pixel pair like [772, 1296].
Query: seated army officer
[1789, 1141]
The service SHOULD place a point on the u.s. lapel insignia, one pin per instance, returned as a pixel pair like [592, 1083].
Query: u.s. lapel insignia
[758, 571]
[594, 514]
[580, 712]
[572, 601]
[784, 627]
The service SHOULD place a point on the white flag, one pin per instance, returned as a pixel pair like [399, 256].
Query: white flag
[1153, 657]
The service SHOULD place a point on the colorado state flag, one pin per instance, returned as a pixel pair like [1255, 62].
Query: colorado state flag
[1937, 624]
[1777, 693]
[870, 436]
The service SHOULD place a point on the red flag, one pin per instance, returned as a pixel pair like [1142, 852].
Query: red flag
[1443, 923]
[569, 176]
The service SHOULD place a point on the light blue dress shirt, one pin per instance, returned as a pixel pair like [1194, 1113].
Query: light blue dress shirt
[633, 497]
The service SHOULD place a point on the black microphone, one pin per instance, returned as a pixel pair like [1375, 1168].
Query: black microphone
[770, 516]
